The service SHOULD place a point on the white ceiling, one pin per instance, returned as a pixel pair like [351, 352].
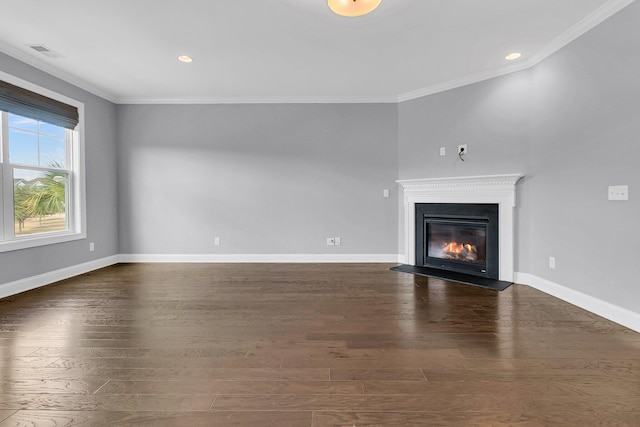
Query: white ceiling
[287, 50]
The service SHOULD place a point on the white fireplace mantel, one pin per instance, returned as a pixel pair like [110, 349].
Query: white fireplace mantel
[499, 189]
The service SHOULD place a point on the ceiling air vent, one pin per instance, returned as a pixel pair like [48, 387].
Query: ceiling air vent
[45, 50]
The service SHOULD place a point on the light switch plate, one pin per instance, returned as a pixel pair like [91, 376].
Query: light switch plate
[618, 192]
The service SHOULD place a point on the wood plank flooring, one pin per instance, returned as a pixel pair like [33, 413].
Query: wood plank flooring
[307, 345]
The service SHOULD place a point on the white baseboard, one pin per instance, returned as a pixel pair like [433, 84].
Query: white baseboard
[260, 258]
[609, 311]
[22, 285]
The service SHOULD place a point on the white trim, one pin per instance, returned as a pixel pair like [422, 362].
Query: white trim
[609, 311]
[260, 258]
[463, 81]
[500, 189]
[43, 65]
[265, 100]
[42, 239]
[22, 285]
[589, 22]
[78, 211]
[592, 20]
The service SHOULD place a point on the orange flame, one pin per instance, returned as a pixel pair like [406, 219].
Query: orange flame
[454, 248]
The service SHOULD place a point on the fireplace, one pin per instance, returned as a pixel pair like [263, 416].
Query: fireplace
[498, 190]
[458, 237]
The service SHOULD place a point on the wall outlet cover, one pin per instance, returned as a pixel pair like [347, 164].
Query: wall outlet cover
[618, 192]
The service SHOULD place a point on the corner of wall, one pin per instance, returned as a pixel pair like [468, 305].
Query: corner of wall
[619, 315]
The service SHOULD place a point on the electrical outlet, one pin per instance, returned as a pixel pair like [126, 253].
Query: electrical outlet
[463, 149]
[92, 247]
[216, 241]
[385, 192]
[337, 241]
[331, 241]
[443, 151]
[552, 262]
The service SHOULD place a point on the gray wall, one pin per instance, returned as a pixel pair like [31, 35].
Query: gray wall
[491, 117]
[570, 124]
[101, 185]
[272, 179]
[586, 125]
[266, 179]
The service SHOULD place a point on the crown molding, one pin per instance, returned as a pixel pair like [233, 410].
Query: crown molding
[586, 24]
[262, 100]
[55, 71]
[589, 22]
[463, 81]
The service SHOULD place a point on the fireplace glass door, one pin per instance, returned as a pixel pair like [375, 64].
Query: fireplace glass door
[459, 245]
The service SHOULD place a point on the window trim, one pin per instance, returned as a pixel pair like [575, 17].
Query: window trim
[77, 195]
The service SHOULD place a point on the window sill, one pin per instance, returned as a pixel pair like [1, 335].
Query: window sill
[27, 242]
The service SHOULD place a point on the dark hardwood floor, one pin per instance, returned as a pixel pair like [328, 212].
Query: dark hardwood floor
[307, 345]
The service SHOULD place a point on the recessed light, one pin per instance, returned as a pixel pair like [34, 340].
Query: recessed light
[513, 56]
[184, 58]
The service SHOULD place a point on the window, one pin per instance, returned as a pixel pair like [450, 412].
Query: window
[41, 180]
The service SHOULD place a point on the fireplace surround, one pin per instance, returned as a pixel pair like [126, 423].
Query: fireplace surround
[499, 190]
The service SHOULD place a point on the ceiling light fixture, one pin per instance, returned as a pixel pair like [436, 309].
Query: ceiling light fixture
[513, 56]
[353, 8]
[184, 58]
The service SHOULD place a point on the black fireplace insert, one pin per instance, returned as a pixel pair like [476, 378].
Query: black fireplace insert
[458, 237]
